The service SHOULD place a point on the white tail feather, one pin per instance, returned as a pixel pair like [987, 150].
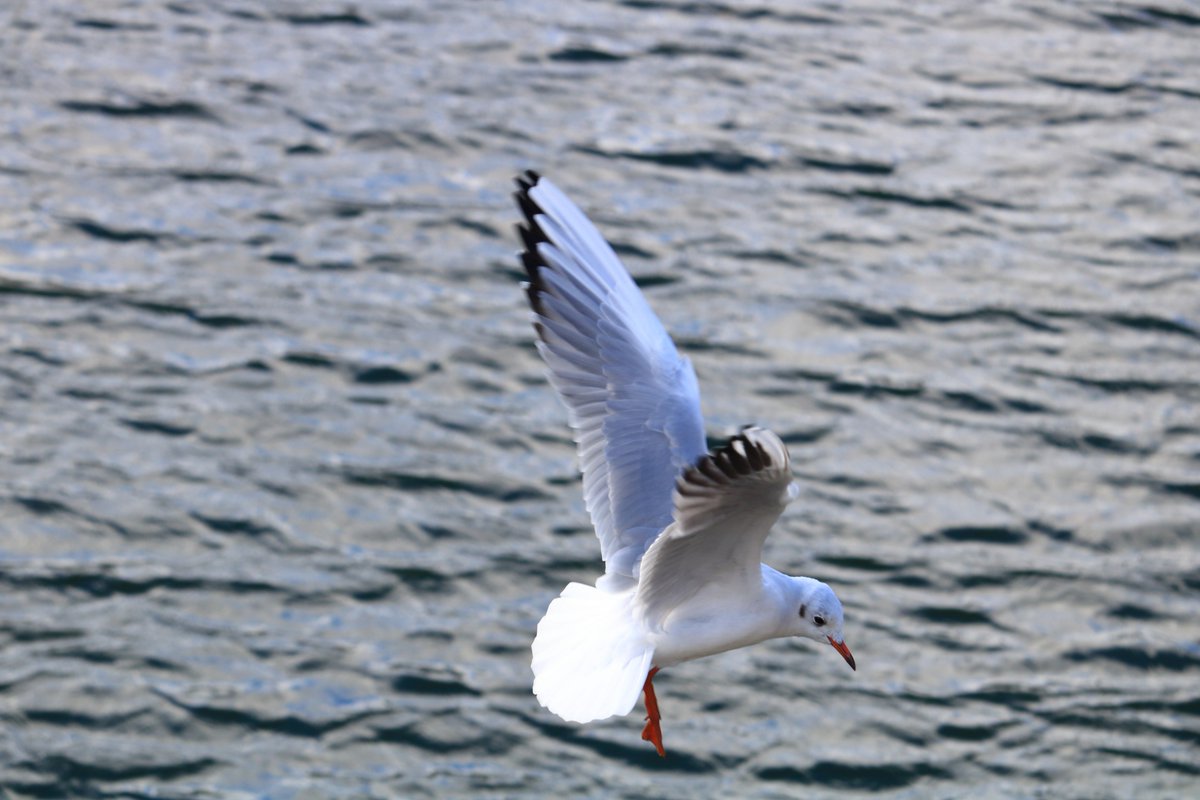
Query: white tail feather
[590, 657]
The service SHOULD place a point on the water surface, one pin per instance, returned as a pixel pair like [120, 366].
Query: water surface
[284, 491]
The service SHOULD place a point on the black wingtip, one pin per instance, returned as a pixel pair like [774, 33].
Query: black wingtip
[527, 180]
[531, 235]
[731, 460]
[527, 205]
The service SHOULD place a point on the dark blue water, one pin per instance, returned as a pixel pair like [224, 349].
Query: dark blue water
[284, 492]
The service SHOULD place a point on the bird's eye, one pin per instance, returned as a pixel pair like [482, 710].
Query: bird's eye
[818, 620]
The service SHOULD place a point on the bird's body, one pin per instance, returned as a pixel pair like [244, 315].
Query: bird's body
[715, 621]
[681, 531]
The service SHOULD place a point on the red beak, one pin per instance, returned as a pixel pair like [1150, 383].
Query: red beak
[845, 651]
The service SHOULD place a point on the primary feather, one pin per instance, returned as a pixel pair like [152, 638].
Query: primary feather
[632, 399]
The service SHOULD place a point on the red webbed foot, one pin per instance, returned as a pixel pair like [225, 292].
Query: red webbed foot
[653, 731]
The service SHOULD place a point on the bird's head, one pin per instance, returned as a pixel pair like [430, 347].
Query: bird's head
[818, 616]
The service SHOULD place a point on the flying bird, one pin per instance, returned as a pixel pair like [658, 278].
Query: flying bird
[681, 530]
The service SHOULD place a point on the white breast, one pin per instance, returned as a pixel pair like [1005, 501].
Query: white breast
[714, 622]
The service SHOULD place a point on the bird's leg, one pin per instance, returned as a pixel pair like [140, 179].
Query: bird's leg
[653, 731]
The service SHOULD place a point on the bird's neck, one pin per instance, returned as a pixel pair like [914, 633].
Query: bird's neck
[787, 591]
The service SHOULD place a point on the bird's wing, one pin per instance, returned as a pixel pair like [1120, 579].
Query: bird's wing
[724, 507]
[632, 399]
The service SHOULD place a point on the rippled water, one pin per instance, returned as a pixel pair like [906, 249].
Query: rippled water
[284, 491]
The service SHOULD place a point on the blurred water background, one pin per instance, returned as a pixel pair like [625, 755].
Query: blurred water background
[284, 492]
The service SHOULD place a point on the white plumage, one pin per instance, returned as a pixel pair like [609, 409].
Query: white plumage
[681, 531]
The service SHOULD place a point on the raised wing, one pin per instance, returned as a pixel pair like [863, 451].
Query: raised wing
[631, 398]
[725, 506]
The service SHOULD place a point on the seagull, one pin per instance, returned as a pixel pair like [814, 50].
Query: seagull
[681, 530]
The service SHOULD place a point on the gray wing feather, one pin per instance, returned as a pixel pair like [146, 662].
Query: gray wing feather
[632, 400]
[725, 506]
